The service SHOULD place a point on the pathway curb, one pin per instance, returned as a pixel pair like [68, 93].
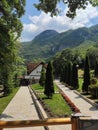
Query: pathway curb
[86, 99]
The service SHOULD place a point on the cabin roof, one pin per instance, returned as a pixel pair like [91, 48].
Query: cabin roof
[33, 66]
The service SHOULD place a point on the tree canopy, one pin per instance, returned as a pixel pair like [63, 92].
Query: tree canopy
[73, 5]
[10, 30]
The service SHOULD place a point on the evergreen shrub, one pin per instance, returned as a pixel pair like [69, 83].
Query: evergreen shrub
[93, 88]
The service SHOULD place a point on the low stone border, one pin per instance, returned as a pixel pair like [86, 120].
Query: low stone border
[70, 103]
[42, 114]
[86, 99]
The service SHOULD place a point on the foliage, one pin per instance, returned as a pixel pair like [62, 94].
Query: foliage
[93, 81]
[96, 68]
[79, 41]
[60, 107]
[93, 88]
[51, 6]
[42, 77]
[64, 73]
[86, 78]
[49, 86]
[69, 73]
[93, 54]
[10, 30]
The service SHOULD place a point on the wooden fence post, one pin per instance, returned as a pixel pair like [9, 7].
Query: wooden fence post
[75, 120]
[75, 123]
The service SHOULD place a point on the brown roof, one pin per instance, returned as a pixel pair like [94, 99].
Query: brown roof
[32, 66]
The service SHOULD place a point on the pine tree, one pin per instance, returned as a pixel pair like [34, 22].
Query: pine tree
[49, 86]
[42, 77]
[86, 82]
[74, 81]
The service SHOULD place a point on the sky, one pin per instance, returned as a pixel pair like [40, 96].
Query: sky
[35, 22]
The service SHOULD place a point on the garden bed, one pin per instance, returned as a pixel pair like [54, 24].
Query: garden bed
[56, 107]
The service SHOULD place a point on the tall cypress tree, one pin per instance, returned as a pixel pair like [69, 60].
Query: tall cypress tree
[69, 73]
[96, 68]
[74, 79]
[49, 87]
[62, 74]
[65, 72]
[42, 77]
[86, 82]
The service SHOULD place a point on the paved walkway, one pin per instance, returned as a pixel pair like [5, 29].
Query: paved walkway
[85, 108]
[21, 108]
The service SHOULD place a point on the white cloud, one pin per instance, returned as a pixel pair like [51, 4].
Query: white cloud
[60, 23]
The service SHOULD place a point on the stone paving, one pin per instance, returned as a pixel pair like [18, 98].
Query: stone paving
[86, 108]
[21, 107]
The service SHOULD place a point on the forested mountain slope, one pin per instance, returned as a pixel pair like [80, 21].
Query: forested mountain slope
[49, 42]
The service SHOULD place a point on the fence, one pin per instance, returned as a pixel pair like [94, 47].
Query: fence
[77, 123]
[44, 122]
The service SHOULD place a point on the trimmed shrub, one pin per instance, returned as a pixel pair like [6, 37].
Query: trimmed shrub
[94, 81]
[93, 88]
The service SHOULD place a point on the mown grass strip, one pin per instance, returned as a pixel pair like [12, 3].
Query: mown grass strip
[4, 101]
[57, 104]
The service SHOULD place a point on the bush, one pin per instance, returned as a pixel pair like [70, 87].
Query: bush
[94, 90]
[94, 81]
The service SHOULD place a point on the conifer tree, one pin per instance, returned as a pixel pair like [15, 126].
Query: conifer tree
[49, 86]
[62, 74]
[69, 73]
[86, 82]
[66, 72]
[42, 77]
[74, 79]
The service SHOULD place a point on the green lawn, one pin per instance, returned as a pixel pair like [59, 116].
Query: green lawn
[80, 84]
[57, 104]
[4, 101]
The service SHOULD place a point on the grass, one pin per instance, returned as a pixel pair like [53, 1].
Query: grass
[39, 88]
[57, 104]
[80, 84]
[4, 101]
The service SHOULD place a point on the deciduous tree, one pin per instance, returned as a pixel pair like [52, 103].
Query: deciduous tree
[73, 5]
[10, 30]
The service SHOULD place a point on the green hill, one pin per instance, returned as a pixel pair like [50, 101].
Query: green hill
[49, 42]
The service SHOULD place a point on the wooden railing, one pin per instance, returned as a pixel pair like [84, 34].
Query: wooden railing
[44, 122]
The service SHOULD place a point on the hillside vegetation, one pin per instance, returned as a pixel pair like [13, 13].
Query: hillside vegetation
[49, 42]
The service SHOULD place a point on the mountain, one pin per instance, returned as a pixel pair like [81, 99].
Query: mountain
[47, 43]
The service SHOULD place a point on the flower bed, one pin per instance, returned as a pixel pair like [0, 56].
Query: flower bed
[70, 103]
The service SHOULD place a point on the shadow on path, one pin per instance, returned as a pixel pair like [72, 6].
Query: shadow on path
[93, 109]
[5, 116]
